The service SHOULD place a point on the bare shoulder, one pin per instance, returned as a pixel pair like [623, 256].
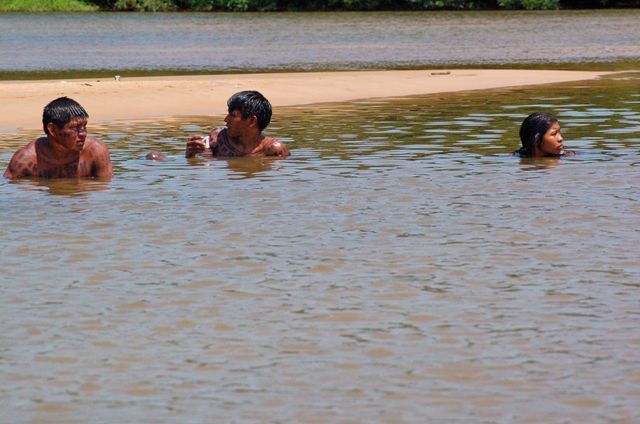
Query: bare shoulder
[24, 162]
[96, 161]
[95, 150]
[275, 147]
[216, 136]
[92, 144]
[217, 132]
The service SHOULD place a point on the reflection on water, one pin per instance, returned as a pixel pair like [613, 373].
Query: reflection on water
[221, 42]
[534, 164]
[251, 167]
[67, 187]
[401, 266]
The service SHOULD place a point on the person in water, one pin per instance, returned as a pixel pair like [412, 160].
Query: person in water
[249, 113]
[67, 151]
[541, 136]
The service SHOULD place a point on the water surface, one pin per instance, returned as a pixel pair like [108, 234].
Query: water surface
[220, 42]
[401, 266]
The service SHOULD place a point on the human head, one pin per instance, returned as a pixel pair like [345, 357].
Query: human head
[61, 111]
[251, 103]
[153, 155]
[532, 131]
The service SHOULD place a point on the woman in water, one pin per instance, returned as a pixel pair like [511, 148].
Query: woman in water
[540, 136]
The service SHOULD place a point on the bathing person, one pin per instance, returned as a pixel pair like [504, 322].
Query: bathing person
[157, 156]
[67, 151]
[540, 136]
[249, 112]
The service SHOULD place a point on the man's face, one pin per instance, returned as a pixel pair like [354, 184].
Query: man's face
[73, 135]
[236, 125]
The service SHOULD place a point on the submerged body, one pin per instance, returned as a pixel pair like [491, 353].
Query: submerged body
[222, 145]
[249, 112]
[37, 160]
[66, 151]
[541, 136]
[153, 155]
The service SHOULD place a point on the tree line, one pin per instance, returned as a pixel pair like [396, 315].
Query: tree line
[326, 5]
[302, 5]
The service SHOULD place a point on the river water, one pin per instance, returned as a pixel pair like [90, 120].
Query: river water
[401, 266]
[217, 42]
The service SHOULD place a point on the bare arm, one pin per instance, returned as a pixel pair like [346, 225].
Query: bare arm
[23, 163]
[99, 160]
[277, 148]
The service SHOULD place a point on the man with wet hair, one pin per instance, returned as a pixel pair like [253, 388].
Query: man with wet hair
[249, 112]
[66, 151]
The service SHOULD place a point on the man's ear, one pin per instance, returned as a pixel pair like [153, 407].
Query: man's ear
[253, 121]
[53, 129]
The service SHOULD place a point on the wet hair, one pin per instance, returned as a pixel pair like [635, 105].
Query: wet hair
[250, 103]
[532, 131]
[60, 111]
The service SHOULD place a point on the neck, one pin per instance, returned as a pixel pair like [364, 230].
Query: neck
[248, 143]
[58, 153]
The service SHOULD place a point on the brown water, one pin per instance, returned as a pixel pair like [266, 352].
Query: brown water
[401, 266]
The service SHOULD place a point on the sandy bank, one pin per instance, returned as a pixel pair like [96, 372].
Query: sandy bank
[164, 97]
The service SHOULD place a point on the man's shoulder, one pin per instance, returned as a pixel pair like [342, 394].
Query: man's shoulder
[24, 161]
[95, 160]
[217, 132]
[274, 147]
[28, 151]
[30, 148]
[94, 147]
[268, 140]
[94, 143]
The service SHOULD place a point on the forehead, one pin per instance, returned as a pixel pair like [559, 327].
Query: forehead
[74, 122]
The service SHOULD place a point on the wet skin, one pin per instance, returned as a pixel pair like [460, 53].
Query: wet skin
[65, 152]
[153, 155]
[241, 137]
[552, 142]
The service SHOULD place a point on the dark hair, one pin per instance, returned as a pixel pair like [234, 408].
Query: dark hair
[60, 111]
[532, 130]
[250, 103]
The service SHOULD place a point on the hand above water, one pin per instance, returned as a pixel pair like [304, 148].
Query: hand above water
[196, 144]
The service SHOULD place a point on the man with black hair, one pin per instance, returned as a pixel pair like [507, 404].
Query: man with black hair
[249, 112]
[66, 151]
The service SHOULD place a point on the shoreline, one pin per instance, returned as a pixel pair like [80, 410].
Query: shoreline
[596, 65]
[165, 97]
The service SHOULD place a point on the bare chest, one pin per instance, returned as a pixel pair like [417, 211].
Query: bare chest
[78, 167]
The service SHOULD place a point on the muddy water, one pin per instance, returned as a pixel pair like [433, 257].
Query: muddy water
[401, 266]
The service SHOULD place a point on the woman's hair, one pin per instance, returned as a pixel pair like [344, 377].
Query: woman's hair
[532, 130]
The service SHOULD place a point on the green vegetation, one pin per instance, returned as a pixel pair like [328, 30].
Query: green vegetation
[108, 74]
[311, 5]
[530, 4]
[46, 6]
[300, 5]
